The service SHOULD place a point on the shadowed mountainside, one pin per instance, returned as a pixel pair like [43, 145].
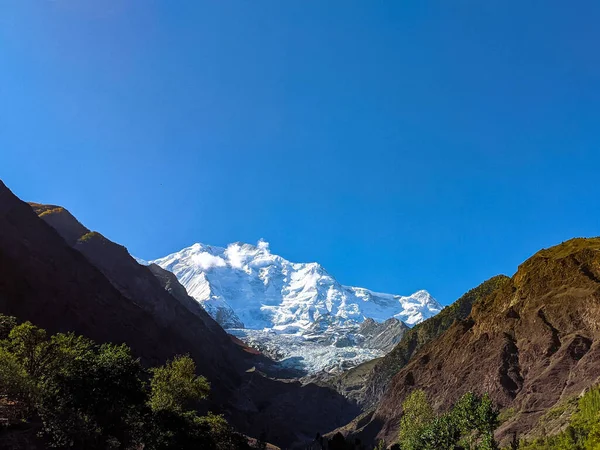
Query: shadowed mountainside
[80, 281]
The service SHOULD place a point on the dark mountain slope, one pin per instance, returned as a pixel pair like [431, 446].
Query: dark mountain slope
[171, 284]
[218, 356]
[532, 343]
[45, 280]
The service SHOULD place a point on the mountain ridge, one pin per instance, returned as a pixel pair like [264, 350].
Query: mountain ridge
[366, 383]
[199, 264]
[531, 343]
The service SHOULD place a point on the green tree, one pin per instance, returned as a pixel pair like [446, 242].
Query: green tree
[16, 385]
[476, 418]
[95, 400]
[417, 415]
[96, 397]
[31, 346]
[175, 386]
[487, 422]
[440, 433]
[470, 424]
[172, 430]
[222, 434]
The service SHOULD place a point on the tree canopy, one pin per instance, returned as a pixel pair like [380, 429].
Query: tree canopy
[469, 424]
[98, 396]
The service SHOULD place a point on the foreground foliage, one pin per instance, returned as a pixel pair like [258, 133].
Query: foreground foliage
[100, 397]
[470, 424]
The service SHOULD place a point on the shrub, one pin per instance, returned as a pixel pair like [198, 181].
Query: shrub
[469, 424]
[583, 432]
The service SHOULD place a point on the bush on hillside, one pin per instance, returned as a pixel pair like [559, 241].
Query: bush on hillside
[583, 431]
[470, 424]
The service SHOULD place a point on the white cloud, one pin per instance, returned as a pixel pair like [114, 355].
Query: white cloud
[208, 261]
[262, 244]
[235, 257]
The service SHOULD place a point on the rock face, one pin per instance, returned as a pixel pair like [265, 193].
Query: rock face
[383, 336]
[70, 279]
[531, 343]
[296, 312]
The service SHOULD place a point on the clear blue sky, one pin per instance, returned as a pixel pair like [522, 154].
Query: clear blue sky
[403, 145]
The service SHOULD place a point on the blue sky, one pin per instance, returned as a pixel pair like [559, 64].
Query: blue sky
[403, 145]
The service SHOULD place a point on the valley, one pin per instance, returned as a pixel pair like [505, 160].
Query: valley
[299, 225]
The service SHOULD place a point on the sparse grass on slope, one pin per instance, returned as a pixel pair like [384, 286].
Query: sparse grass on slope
[430, 329]
[569, 247]
[89, 236]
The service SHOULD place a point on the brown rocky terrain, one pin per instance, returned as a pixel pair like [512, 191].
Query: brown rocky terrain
[366, 383]
[532, 343]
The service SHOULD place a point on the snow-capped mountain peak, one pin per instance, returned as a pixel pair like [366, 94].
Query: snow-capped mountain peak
[247, 286]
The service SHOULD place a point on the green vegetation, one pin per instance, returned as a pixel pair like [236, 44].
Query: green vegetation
[339, 442]
[47, 212]
[175, 386]
[569, 247]
[583, 431]
[100, 397]
[418, 413]
[470, 424]
[88, 236]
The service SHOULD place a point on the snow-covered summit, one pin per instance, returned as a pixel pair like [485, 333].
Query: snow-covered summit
[295, 312]
[247, 286]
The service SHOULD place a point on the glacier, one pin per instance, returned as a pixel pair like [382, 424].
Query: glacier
[296, 313]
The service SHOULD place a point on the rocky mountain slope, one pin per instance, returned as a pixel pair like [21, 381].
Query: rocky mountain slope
[44, 280]
[532, 343]
[138, 284]
[80, 281]
[296, 312]
[366, 383]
